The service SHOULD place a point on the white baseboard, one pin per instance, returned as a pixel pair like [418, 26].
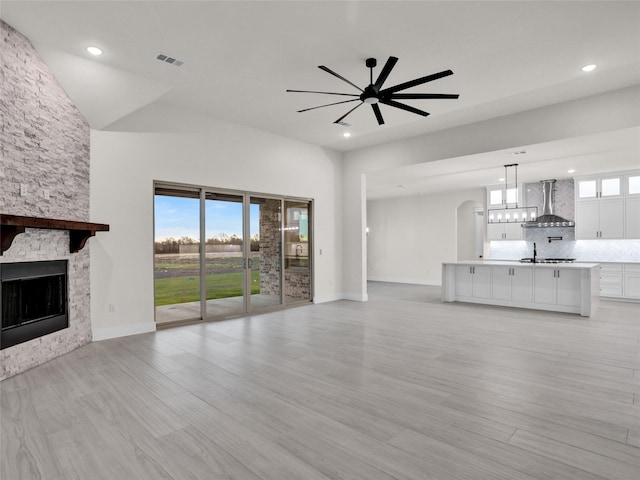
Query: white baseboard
[341, 296]
[356, 297]
[412, 281]
[328, 298]
[123, 331]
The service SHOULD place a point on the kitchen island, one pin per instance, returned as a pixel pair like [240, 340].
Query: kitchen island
[560, 287]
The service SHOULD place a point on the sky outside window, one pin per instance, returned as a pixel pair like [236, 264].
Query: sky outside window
[180, 217]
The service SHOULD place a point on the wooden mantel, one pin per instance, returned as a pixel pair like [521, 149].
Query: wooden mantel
[79, 232]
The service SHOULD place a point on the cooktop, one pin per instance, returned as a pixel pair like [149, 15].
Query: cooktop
[547, 260]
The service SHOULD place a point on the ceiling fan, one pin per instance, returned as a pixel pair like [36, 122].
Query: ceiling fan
[375, 94]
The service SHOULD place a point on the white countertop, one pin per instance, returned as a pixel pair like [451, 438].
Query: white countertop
[591, 260]
[617, 262]
[513, 263]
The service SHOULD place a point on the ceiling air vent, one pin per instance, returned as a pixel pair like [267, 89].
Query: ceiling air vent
[344, 124]
[168, 59]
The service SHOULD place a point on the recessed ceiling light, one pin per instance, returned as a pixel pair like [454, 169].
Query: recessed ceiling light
[346, 134]
[589, 68]
[501, 179]
[94, 51]
[571, 170]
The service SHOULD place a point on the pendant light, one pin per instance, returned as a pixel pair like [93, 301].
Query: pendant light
[511, 212]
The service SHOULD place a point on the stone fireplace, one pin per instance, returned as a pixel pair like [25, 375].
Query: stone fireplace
[44, 172]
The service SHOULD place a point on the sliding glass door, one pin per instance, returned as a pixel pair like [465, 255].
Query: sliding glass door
[297, 265]
[266, 252]
[221, 254]
[224, 254]
[177, 254]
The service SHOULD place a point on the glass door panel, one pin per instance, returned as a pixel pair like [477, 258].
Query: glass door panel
[224, 254]
[297, 265]
[176, 254]
[587, 189]
[512, 196]
[610, 187]
[495, 197]
[265, 232]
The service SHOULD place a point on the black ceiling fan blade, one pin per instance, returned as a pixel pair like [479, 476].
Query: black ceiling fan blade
[344, 116]
[326, 93]
[402, 106]
[417, 81]
[384, 73]
[328, 70]
[418, 96]
[378, 113]
[327, 105]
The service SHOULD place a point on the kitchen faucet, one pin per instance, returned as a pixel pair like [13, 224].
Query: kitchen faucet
[535, 253]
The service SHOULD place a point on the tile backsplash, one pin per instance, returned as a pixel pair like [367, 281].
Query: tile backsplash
[581, 250]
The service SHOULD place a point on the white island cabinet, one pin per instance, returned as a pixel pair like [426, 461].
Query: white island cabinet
[557, 286]
[511, 283]
[567, 287]
[473, 281]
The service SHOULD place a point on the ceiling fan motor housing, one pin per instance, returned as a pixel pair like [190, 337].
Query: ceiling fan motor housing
[370, 95]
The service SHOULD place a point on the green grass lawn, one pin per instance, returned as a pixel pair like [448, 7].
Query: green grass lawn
[187, 289]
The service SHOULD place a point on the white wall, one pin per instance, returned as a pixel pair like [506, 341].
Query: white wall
[123, 168]
[610, 111]
[410, 237]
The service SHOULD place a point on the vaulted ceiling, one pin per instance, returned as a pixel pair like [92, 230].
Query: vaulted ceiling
[241, 56]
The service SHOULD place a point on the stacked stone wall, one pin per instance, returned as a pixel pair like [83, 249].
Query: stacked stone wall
[297, 284]
[270, 247]
[44, 148]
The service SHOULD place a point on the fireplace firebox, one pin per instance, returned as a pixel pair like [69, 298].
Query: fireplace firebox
[33, 301]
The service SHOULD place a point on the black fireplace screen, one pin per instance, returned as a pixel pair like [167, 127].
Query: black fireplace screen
[34, 300]
[27, 300]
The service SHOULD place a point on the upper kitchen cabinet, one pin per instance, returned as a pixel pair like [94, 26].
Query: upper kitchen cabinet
[632, 206]
[599, 187]
[600, 219]
[505, 231]
[608, 206]
[499, 197]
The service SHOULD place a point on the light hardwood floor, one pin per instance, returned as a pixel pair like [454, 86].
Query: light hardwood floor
[400, 387]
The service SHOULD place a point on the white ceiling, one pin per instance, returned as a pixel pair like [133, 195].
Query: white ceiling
[240, 57]
[617, 150]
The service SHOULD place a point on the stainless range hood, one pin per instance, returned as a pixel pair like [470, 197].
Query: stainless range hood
[548, 218]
